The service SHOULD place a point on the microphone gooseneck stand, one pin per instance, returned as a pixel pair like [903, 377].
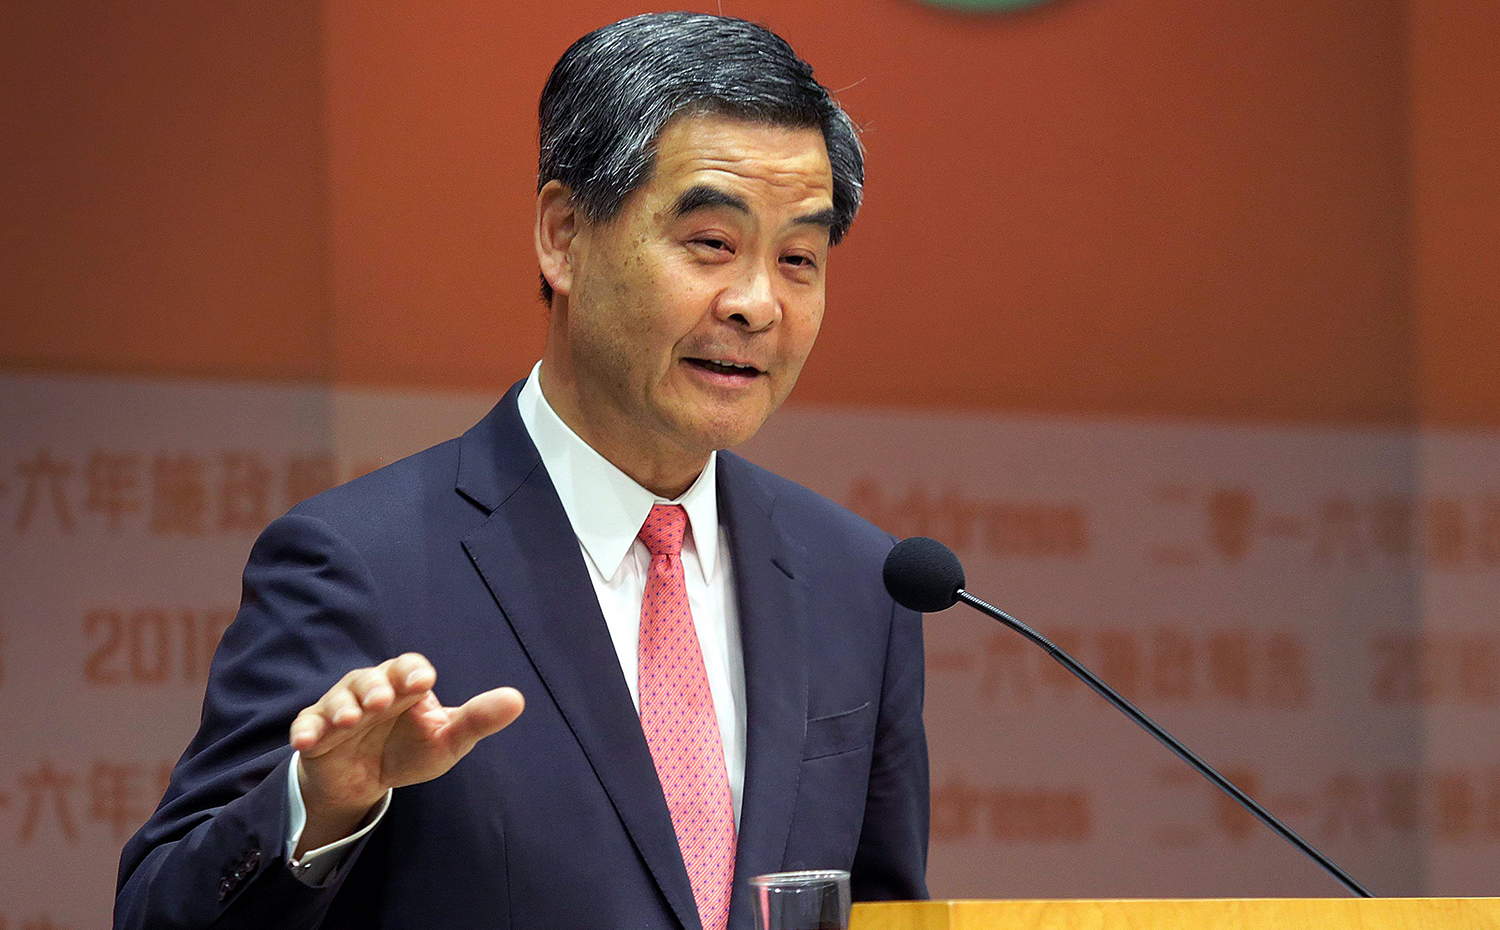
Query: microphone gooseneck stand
[1166, 739]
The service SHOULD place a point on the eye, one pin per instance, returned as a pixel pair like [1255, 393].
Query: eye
[800, 261]
[710, 249]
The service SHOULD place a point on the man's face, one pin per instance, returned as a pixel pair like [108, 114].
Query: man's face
[689, 315]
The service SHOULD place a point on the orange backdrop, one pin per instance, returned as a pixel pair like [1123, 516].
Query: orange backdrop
[1280, 211]
[1140, 224]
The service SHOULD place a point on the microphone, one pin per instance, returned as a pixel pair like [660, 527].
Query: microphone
[924, 575]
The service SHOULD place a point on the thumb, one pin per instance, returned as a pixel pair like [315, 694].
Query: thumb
[480, 716]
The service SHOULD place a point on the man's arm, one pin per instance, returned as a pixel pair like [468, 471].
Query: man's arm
[215, 850]
[891, 860]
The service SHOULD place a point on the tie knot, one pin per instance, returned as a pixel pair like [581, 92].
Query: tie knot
[663, 530]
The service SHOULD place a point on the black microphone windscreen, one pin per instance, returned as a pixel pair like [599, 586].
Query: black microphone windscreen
[923, 574]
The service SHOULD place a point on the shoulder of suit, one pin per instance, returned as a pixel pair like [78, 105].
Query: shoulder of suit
[389, 497]
[802, 511]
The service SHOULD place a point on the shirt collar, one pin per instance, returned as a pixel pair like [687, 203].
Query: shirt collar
[605, 506]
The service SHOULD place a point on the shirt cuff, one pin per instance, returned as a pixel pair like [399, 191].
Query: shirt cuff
[318, 865]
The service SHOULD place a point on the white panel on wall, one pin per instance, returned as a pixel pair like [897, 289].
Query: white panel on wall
[1313, 610]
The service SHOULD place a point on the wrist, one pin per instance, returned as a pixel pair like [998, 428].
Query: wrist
[329, 826]
[328, 798]
[328, 817]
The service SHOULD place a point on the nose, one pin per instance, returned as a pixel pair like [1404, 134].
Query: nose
[750, 302]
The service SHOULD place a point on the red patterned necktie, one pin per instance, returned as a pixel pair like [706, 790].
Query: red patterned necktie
[677, 715]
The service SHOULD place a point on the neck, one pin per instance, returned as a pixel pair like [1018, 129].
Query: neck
[664, 470]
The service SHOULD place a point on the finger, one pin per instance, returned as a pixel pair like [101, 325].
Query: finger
[314, 723]
[307, 730]
[482, 715]
[372, 689]
[360, 699]
[317, 732]
[411, 673]
[340, 707]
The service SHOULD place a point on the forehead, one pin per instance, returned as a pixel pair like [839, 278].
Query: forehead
[788, 162]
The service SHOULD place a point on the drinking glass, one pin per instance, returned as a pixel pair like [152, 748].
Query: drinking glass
[815, 900]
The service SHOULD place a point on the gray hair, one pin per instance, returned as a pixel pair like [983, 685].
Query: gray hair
[614, 90]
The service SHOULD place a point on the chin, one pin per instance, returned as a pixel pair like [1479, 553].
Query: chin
[723, 433]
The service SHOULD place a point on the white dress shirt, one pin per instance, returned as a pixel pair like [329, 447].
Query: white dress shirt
[606, 508]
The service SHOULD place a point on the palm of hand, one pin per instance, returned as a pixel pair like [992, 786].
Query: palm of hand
[408, 748]
[383, 727]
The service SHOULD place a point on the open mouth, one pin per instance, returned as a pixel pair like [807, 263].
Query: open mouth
[721, 367]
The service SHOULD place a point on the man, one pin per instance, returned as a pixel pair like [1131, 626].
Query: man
[716, 685]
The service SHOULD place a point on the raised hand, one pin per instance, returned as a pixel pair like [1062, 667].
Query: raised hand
[382, 728]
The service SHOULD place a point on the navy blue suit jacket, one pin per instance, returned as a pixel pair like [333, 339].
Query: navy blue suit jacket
[464, 554]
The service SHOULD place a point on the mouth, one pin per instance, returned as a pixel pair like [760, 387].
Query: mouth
[725, 368]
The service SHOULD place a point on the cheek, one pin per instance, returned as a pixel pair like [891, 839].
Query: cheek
[815, 324]
[677, 303]
[656, 278]
[803, 326]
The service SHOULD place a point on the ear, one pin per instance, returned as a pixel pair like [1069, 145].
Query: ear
[557, 223]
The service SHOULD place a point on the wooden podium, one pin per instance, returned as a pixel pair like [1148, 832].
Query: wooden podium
[1191, 914]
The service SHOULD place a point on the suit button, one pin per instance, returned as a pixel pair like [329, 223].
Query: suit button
[225, 887]
[252, 861]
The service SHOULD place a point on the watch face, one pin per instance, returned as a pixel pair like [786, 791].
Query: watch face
[984, 6]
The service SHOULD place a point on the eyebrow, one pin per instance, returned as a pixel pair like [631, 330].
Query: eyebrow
[827, 218]
[704, 196]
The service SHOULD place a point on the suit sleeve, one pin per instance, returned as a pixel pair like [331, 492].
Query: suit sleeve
[214, 852]
[890, 862]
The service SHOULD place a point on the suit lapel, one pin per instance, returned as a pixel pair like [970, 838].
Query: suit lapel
[529, 557]
[772, 605]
